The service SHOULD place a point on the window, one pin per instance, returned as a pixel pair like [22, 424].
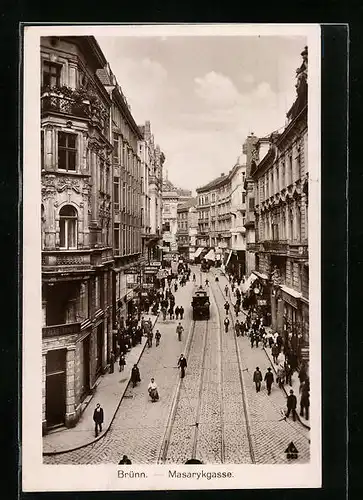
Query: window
[116, 146]
[51, 74]
[67, 151]
[124, 194]
[68, 227]
[42, 149]
[290, 170]
[251, 206]
[298, 166]
[116, 236]
[116, 192]
[243, 198]
[282, 174]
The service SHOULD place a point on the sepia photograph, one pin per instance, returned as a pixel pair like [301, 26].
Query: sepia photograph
[171, 257]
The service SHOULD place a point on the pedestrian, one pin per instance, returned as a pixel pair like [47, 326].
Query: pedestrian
[291, 405]
[236, 308]
[153, 390]
[226, 324]
[177, 312]
[181, 311]
[237, 327]
[269, 378]
[279, 342]
[305, 399]
[288, 373]
[226, 307]
[112, 362]
[182, 364]
[135, 375]
[179, 331]
[164, 311]
[226, 290]
[257, 378]
[171, 312]
[280, 378]
[193, 276]
[150, 336]
[157, 337]
[98, 418]
[275, 353]
[122, 362]
[206, 282]
[252, 338]
[175, 286]
[125, 461]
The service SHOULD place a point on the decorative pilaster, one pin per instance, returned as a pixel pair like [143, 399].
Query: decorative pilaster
[70, 417]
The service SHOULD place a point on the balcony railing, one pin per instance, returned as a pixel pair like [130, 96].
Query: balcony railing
[75, 259]
[77, 102]
[65, 329]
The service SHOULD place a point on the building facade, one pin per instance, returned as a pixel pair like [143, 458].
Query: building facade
[77, 256]
[152, 161]
[187, 228]
[281, 219]
[101, 212]
[171, 197]
[221, 214]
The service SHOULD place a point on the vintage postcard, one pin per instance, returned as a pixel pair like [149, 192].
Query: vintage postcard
[171, 303]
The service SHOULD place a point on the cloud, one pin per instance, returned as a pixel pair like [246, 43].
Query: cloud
[216, 89]
[248, 78]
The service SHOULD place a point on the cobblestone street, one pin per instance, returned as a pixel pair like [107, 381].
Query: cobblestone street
[210, 395]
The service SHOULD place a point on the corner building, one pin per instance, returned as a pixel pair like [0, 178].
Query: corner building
[281, 218]
[77, 256]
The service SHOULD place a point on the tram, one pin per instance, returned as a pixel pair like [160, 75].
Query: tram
[200, 304]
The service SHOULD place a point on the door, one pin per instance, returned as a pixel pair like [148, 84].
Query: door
[99, 348]
[86, 367]
[55, 387]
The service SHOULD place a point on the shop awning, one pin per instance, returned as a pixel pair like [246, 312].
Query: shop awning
[245, 286]
[210, 255]
[291, 292]
[260, 275]
[228, 258]
[198, 252]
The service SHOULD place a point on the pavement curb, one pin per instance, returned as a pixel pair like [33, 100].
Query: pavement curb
[269, 358]
[285, 391]
[79, 447]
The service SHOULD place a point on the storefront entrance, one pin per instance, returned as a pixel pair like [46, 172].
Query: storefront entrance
[99, 349]
[55, 387]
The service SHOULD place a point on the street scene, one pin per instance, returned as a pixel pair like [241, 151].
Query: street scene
[175, 277]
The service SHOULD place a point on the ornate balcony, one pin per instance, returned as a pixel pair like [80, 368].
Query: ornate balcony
[75, 260]
[76, 102]
[57, 330]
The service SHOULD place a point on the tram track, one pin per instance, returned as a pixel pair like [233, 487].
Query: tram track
[240, 375]
[163, 455]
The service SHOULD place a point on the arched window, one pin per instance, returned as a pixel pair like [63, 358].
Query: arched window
[68, 227]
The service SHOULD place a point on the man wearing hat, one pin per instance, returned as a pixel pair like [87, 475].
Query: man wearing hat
[269, 378]
[291, 405]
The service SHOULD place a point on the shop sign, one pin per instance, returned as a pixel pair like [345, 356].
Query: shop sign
[155, 263]
[150, 270]
[262, 302]
[147, 286]
[131, 270]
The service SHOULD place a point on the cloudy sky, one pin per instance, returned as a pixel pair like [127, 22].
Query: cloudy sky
[204, 95]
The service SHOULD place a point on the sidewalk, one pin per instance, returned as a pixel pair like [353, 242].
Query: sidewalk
[294, 379]
[109, 392]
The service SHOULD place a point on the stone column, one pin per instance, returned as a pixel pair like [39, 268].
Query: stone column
[70, 418]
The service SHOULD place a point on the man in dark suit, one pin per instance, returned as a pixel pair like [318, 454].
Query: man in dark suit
[182, 364]
[98, 418]
[291, 405]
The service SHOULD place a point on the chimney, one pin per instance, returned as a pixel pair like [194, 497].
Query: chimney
[251, 151]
